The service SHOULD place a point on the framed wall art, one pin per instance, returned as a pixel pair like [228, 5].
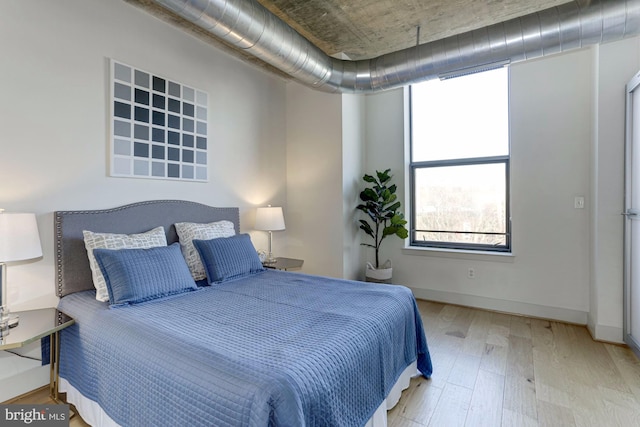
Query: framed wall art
[158, 126]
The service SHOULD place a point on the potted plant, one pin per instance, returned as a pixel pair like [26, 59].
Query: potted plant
[380, 203]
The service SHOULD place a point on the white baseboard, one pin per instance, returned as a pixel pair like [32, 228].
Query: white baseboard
[606, 333]
[515, 307]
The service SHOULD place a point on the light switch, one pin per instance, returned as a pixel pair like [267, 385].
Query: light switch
[578, 202]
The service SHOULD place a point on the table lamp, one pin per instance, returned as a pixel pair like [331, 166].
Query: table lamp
[270, 219]
[19, 241]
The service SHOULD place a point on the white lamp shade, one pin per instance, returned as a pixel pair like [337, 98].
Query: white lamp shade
[19, 238]
[269, 219]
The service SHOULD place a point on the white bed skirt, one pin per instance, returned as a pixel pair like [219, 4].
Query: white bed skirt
[379, 418]
[93, 414]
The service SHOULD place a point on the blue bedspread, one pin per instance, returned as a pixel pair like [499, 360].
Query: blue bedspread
[275, 349]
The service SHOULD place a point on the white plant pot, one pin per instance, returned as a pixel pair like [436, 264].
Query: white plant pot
[379, 275]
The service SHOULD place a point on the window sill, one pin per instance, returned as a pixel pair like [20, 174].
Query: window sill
[460, 254]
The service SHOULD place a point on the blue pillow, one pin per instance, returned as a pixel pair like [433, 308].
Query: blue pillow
[228, 258]
[138, 275]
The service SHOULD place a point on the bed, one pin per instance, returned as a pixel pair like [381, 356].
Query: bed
[270, 348]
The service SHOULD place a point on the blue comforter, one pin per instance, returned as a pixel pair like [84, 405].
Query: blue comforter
[273, 349]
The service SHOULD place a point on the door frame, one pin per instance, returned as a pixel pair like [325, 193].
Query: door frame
[632, 86]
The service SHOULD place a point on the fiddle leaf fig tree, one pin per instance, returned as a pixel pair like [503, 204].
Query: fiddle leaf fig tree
[380, 203]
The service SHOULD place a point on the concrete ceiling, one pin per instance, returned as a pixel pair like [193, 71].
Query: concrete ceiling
[363, 29]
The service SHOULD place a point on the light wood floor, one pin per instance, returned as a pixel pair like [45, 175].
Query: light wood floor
[493, 369]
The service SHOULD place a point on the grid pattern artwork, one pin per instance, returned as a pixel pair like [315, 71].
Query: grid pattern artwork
[158, 126]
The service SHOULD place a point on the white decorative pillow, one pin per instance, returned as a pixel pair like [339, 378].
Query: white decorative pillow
[188, 231]
[150, 239]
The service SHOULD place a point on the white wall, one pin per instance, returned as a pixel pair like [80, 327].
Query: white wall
[325, 157]
[353, 144]
[314, 180]
[552, 113]
[614, 65]
[54, 121]
[384, 118]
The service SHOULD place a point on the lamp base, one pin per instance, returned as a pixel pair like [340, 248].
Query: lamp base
[4, 317]
[4, 322]
[14, 319]
[270, 260]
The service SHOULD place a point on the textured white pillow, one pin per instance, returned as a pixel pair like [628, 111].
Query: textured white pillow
[150, 239]
[188, 231]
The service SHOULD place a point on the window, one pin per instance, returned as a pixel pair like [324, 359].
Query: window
[459, 168]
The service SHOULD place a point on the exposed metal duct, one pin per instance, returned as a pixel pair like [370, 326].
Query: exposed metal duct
[247, 25]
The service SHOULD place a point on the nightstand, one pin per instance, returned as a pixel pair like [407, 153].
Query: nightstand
[285, 264]
[34, 325]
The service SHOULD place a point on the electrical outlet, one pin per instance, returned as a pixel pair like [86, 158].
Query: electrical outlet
[471, 273]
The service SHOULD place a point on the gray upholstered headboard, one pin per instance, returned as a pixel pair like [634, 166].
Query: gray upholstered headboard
[72, 265]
